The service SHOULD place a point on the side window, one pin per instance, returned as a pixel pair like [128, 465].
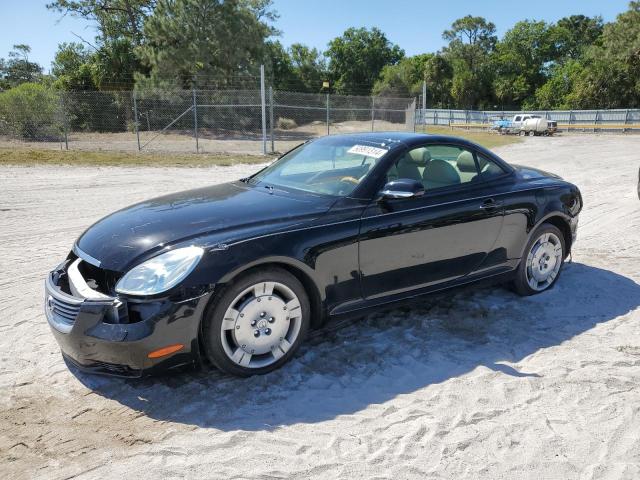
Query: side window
[489, 169]
[517, 119]
[436, 166]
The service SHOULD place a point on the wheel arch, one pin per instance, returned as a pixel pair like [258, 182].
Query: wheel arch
[558, 220]
[299, 270]
[562, 224]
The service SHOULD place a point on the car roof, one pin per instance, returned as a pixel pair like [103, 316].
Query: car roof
[409, 139]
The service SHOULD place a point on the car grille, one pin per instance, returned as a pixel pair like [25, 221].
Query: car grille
[64, 310]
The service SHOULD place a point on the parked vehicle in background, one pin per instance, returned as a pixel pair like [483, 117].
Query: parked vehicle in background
[536, 125]
[526, 124]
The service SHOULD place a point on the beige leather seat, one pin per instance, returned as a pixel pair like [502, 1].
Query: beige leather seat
[409, 165]
[466, 166]
[439, 173]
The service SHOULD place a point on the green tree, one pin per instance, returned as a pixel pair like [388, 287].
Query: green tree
[357, 58]
[72, 68]
[471, 42]
[115, 19]
[573, 35]
[279, 67]
[521, 59]
[309, 67]
[556, 92]
[611, 74]
[114, 65]
[438, 73]
[403, 79]
[190, 42]
[17, 69]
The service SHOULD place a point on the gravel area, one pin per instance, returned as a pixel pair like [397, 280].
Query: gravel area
[480, 384]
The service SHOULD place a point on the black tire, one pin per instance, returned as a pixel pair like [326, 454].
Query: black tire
[520, 283]
[212, 323]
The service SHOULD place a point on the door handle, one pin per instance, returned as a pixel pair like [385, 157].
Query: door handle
[490, 204]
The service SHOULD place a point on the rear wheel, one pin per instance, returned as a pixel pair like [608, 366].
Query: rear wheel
[543, 258]
[258, 323]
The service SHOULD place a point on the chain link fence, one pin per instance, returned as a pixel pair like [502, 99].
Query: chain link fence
[203, 121]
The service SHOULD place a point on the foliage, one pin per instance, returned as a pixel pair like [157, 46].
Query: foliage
[115, 19]
[298, 68]
[403, 79]
[472, 40]
[521, 60]
[611, 74]
[17, 68]
[30, 111]
[190, 42]
[573, 35]
[71, 67]
[576, 62]
[357, 58]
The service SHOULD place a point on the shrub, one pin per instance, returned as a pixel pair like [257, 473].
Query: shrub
[286, 123]
[31, 111]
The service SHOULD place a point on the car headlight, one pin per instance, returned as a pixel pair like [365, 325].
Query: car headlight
[160, 273]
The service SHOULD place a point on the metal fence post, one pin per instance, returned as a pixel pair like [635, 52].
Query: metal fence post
[327, 114]
[415, 113]
[195, 119]
[64, 121]
[271, 118]
[626, 120]
[373, 113]
[135, 118]
[264, 111]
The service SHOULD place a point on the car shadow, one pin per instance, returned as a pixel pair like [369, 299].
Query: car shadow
[344, 368]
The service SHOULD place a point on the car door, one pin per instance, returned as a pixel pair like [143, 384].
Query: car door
[408, 244]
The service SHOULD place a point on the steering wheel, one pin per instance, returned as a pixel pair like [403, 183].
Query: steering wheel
[353, 180]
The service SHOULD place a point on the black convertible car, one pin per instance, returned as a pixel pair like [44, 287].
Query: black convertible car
[239, 272]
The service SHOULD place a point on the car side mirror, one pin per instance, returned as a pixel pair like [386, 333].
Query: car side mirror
[403, 188]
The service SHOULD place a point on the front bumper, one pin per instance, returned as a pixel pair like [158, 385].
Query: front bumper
[92, 337]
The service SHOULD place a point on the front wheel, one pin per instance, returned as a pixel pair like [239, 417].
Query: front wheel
[257, 323]
[543, 258]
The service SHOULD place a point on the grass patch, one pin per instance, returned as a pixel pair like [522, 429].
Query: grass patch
[486, 139]
[29, 156]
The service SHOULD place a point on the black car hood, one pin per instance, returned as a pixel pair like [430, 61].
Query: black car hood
[228, 210]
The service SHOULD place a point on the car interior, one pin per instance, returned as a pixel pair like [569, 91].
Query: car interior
[441, 166]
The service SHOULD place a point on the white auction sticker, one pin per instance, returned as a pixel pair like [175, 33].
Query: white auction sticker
[373, 152]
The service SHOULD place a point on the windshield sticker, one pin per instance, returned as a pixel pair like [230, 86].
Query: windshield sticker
[367, 151]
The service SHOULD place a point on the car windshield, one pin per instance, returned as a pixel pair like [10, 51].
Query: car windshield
[330, 165]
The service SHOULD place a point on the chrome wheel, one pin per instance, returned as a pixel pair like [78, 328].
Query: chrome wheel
[261, 324]
[544, 261]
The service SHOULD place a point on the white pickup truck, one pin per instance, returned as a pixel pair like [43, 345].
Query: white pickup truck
[526, 124]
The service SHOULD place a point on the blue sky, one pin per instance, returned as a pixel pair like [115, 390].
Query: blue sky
[415, 25]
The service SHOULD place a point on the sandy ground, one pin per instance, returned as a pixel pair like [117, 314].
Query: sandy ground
[477, 385]
[174, 141]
